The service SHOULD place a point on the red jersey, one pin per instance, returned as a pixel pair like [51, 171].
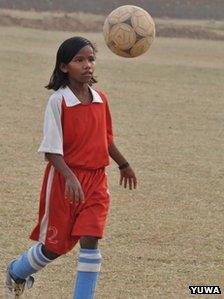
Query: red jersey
[81, 133]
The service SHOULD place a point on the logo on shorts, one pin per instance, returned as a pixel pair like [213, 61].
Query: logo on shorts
[52, 231]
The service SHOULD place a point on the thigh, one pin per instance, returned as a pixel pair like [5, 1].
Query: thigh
[56, 218]
[91, 217]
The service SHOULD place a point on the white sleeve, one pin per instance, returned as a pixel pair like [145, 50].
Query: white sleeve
[52, 136]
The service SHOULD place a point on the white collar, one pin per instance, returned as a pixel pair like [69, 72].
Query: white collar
[71, 99]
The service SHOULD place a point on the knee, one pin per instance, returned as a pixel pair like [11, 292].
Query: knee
[89, 242]
[49, 254]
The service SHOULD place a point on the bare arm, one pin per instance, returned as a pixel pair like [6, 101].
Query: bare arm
[127, 174]
[73, 189]
[116, 155]
[59, 164]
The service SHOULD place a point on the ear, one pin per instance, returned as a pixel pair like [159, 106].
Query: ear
[63, 68]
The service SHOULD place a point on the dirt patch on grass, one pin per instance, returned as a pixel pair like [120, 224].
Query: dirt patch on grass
[93, 23]
[59, 23]
[184, 9]
[194, 32]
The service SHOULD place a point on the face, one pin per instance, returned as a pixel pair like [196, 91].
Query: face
[82, 65]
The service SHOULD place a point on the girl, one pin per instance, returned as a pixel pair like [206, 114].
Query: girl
[74, 199]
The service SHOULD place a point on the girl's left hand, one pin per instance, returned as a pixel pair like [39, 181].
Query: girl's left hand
[127, 175]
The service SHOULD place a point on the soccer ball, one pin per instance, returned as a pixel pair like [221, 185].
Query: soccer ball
[129, 31]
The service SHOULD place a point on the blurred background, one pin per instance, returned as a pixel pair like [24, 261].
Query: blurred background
[68, 15]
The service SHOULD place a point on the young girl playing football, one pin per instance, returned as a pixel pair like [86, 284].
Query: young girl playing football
[74, 199]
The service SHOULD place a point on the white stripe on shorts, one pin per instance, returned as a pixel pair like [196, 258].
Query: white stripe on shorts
[44, 222]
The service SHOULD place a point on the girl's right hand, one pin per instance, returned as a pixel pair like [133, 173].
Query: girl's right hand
[73, 189]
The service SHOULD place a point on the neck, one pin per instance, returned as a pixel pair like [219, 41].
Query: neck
[81, 91]
[78, 87]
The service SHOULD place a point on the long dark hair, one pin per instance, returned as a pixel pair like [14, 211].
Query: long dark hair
[67, 50]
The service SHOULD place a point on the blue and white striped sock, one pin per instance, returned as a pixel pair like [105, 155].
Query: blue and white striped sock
[28, 263]
[87, 273]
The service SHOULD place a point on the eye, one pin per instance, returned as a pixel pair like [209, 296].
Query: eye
[77, 59]
[92, 58]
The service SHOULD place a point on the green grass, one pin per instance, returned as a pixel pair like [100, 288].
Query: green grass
[167, 109]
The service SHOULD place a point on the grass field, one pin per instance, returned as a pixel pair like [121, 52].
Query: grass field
[62, 21]
[167, 109]
[37, 15]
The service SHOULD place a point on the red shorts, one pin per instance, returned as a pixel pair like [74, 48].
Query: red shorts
[61, 223]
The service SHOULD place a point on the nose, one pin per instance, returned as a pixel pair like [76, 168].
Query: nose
[87, 64]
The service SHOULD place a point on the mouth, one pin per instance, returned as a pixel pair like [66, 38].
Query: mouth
[88, 74]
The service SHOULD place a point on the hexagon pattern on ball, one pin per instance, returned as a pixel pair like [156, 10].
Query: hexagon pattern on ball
[129, 31]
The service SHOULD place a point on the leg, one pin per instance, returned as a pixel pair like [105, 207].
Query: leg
[31, 261]
[88, 268]
[90, 225]
[19, 271]
[49, 254]
[89, 242]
